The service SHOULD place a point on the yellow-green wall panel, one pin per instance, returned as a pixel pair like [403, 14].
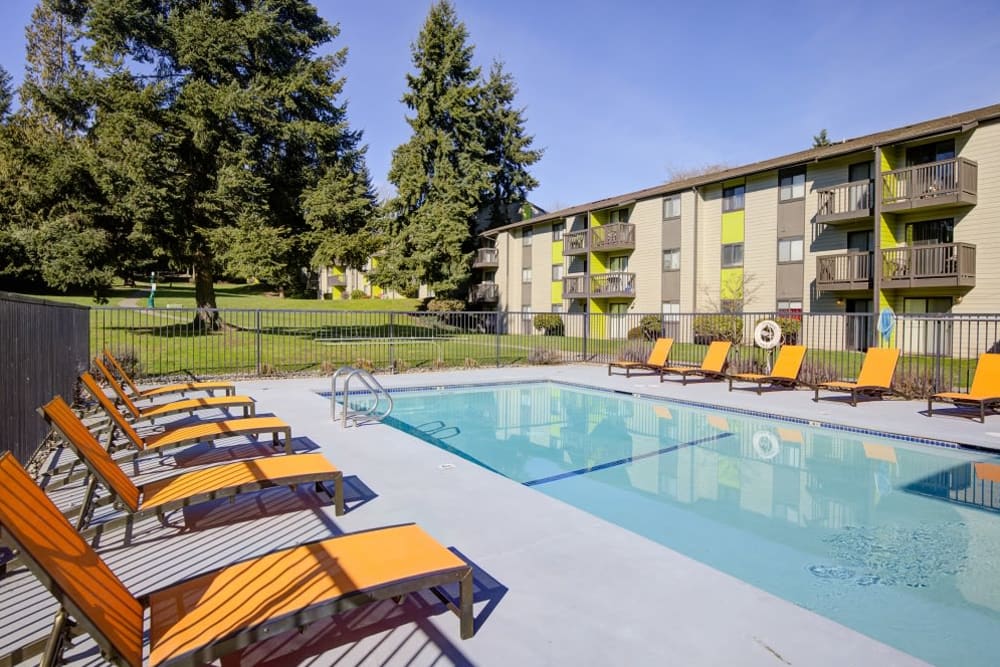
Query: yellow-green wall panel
[730, 279]
[598, 319]
[732, 227]
[557, 252]
[557, 291]
[598, 263]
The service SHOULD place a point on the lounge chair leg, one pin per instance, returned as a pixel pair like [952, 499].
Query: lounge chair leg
[61, 627]
[930, 407]
[730, 384]
[465, 606]
[338, 493]
[816, 395]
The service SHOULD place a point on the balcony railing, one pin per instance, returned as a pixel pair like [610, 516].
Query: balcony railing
[599, 286]
[575, 287]
[486, 258]
[844, 272]
[845, 203]
[485, 292]
[939, 265]
[933, 185]
[336, 280]
[576, 243]
[614, 236]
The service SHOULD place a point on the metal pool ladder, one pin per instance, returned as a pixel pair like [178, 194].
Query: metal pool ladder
[376, 392]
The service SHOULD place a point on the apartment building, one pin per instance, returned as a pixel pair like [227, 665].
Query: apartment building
[903, 219]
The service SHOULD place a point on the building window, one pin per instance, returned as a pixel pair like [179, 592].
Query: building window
[525, 275]
[671, 207]
[671, 311]
[557, 272]
[792, 309]
[731, 305]
[618, 215]
[557, 230]
[526, 312]
[732, 255]
[789, 250]
[557, 308]
[791, 184]
[732, 198]
[672, 259]
[930, 232]
[526, 236]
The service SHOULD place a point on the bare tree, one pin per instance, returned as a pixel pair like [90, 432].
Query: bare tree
[735, 291]
[684, 173]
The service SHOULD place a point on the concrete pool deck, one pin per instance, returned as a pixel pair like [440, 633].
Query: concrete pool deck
[554, 584]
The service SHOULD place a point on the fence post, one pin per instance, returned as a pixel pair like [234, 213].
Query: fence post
[392, 342]
[258, 341]
[496, 329]
[586, 332]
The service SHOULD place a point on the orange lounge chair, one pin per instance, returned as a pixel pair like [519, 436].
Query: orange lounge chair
[875, 377]
[204, 431]
[984, 392]
[785, 372]
[713, 366]
[164, 495]
[657, 358]
[181, 388]
[189, 405]
[203, 618]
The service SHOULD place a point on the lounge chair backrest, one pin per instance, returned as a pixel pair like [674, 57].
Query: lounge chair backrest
[83, 442]
[119, 391]
[119, 419]
[121, 372]
[660, 353]
[878, 367]
[986, 382]
[715, 358]
[67, 565]
[789, 362]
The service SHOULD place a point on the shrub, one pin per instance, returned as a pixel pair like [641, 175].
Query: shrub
[543, 356]
[913, 384]
[708, 328]
[128, 360]
[551, 324]
[471, 363]
[634, 352]
[635, 333]
[364, 364]
[359, 294]
[651, 326]
[445, 305]
[400, 365]
[438, 364]
[813, 373]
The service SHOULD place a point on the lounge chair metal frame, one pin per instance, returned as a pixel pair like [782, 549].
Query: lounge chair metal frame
[864, 385]
[181, 388]
[93, 599]
[984, 392]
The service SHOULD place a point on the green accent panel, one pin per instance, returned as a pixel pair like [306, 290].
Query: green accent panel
[732, 227]
[598, 320]
[728, 279]
[338, 292]
[599, 218]
[557, 291]
[338, 270]
[598, 263]
[557, 249]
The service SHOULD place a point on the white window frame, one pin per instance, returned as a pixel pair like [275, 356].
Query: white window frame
[671, 311]
[526, 275]
[526, 235]
[618, 215]
[790, 250]
[557, 230]
[732, 264]
[557, 272]
[783, 307]
[729, 201]
[792, 185]
[557, 308]
[526, 312]
[672, 202]
[675, 264]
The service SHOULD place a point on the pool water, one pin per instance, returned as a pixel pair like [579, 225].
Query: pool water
[898, 541]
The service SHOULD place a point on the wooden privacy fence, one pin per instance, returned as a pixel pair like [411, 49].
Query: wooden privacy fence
[45, 347]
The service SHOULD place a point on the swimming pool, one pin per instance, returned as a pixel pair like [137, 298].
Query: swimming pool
[898, 541]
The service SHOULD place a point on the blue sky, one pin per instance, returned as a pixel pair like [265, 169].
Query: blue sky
[619, 93]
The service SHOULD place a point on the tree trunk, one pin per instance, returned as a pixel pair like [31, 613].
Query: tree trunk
[207, 318]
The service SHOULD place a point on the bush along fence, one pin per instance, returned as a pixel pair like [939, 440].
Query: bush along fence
[939, 352]
[45, 348]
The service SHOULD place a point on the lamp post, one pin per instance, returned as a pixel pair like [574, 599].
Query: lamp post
[152, 290]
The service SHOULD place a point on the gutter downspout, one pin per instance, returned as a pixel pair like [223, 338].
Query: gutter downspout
[694, 255]
[877, 249]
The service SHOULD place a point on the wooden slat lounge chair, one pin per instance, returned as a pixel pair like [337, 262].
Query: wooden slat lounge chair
[203, 431]
[657, 359]
[210, 386]
[785, 372]
[203, 618]
[984, 392]
[875, 378]
[713, 366]
[164, 495]
[189, 405]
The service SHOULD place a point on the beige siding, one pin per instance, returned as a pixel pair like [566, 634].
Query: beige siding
[760, 245]
[689, 200]
[709, 247]
[981, 225]
[541, 273]
[645, 261]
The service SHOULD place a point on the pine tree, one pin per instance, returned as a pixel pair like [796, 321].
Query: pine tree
[820, 140]
[231, 147]
[6, 94]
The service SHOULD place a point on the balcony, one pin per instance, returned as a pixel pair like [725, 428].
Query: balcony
[845, 272]
[614, 236]
[486, 258]
[850, 202]
[336, 280]
[599, 286]
[940, 265]
[576, 243]
[485, 292]
[941, 184]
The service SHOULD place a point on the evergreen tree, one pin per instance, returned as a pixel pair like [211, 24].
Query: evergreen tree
[216, 135]
[508, 148]
[6, 94]
[820, 140]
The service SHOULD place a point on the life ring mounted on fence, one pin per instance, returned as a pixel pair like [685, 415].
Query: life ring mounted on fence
[766, 445]
[767, 334]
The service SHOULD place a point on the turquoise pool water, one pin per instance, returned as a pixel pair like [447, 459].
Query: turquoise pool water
[898, 541]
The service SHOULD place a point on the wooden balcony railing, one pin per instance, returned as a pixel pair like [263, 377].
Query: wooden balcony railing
[336, 280]
[486, 258]
[614, 236]
[951, 182]
[938, 265]
[487, 292]
[575, 287]
[599, 286]
[844, 272]
[847, 202]
[576, 243]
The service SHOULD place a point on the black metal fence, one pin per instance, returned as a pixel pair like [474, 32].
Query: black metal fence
[938, 351]
[45, 348]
